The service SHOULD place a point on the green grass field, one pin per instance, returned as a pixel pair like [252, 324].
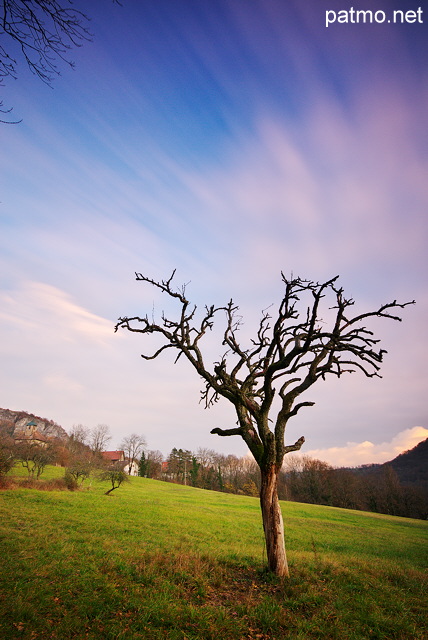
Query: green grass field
[157, 561]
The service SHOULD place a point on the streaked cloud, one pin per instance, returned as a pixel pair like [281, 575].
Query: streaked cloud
[38, 309]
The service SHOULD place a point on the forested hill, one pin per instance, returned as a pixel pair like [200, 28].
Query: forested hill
[398, 487]
[12, 422]
[412, 466]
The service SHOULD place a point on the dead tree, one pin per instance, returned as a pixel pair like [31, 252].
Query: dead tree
[133, 446]
[264, 380]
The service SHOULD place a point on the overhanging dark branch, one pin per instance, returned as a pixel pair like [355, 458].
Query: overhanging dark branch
[237, 431]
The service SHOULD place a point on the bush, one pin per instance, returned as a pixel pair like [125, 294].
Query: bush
[54, 484]
[70, 481]
[6, 482]
[6, 456]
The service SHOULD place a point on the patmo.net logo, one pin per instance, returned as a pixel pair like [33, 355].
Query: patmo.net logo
[367, 16]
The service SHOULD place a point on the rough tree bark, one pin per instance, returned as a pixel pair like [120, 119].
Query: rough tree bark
[273, 525]
[284, 360]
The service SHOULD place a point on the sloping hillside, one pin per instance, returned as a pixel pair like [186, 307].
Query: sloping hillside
[162, 561]
[12, 422]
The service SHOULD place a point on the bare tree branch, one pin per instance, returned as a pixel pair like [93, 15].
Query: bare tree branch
[227, 432]
[297, 445]
[42, 32]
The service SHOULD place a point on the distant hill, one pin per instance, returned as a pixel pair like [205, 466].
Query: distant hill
[411, 466]
[398, 487]
[12, 422]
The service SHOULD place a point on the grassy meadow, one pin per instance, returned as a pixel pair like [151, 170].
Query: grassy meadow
[158, 561]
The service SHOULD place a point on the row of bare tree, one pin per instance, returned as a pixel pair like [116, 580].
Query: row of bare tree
[302, 479]
[205, 469]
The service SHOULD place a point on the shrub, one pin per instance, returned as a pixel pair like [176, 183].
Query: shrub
[70, 481]
[6, 456]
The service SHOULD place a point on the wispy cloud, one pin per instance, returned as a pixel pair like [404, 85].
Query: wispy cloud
[39, 309]
[330, 193]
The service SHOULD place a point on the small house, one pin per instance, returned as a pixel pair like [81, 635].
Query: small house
[116, 457]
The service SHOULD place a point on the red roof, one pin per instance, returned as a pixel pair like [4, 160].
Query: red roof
[30, 437]
[113, 456]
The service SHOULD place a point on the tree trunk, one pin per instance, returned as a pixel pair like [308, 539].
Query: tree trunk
[272, 522]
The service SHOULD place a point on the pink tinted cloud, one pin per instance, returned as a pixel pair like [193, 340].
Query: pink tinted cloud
[344, 187]
[354, 454]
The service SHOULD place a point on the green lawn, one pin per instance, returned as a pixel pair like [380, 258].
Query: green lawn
[161, 561]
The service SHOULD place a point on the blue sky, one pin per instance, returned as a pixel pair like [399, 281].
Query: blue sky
[229, 140]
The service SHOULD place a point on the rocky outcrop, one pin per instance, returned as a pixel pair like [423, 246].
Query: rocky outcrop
[14, 423]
